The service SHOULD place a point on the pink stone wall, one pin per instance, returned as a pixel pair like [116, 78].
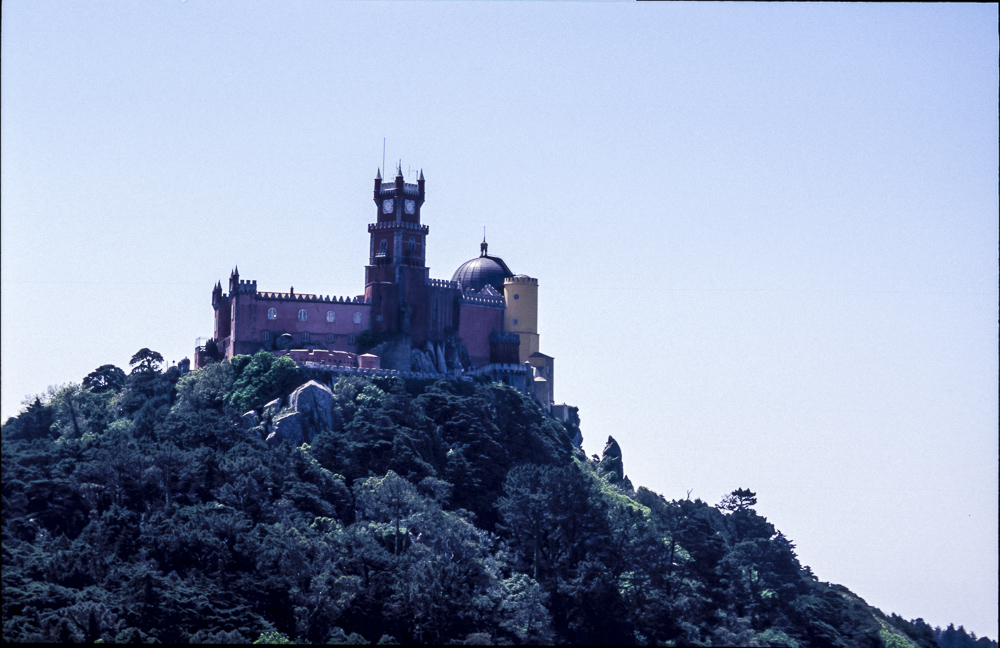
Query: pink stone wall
[251, 321]
[474, 328]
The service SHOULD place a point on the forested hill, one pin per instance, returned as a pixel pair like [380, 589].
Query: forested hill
[153, 507]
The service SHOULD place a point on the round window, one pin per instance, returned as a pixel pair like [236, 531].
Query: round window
[515, 322]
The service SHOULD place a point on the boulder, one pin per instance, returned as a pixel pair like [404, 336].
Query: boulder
[271, 409]
[288, 428]
[314, 401]
[250, 420]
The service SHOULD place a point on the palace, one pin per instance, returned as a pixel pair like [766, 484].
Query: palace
[481, 322]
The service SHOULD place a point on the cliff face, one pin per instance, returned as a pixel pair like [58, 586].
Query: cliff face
[367, 510]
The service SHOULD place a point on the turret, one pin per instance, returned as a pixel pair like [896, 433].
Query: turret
[216, 294]
[378, 183]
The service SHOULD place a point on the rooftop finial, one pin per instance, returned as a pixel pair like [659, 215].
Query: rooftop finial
[378, 174]
[483, 246]
[399, 169]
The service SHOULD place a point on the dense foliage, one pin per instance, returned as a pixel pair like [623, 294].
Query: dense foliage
[136, 507]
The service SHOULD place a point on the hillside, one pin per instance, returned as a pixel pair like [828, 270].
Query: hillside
[241, 502]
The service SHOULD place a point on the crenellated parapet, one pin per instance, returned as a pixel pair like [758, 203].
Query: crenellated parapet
[246, 286]
[521, 279]
[305, 297]
[409, 189]
[442, 283]
[495, 368]
[387, 225]
[470, 299]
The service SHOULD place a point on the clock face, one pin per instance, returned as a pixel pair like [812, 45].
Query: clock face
[410, 206]
[387, 206]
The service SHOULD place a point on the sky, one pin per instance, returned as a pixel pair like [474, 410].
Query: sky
[765, 234]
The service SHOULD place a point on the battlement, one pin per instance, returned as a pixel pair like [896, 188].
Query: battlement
[496, 367]
[469, 299]
[326, 299]
[423, 229]
[247, 286]
[497, 336]
[521, 279]
[442, 283]
[389, 189]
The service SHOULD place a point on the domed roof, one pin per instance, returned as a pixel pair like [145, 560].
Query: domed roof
[481, 271]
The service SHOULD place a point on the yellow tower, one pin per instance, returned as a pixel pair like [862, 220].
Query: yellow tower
[521, 317]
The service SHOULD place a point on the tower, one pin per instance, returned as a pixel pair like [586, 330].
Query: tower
[396, 275]
[521, 316]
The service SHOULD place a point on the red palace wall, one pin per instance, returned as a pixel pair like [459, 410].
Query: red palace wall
[252, 322]
[475, 325]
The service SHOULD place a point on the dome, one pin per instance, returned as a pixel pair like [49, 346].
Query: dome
[485, 269]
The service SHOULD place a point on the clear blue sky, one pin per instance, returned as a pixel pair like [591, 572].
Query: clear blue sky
[765, 234]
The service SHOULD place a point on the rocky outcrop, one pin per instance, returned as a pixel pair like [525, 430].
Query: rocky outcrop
[611, 466]
[271, 409]
[250, 420]
[288, 427]
[314, 402]
[310, 411]
[421, 362]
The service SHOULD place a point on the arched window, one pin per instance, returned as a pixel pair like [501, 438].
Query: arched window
[357, 318]
[305, 337]
[272, 313]
[302, 315]
[350, 338]
[382, 246]
[331, 316]
[412, 244]
[266, 335]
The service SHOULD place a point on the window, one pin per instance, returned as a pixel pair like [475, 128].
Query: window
[330, 338]
[381, 246]
[412, 244]
[331, 316]
[302, 315]
[266, 335]
[350, 339]
[516, 296]
[272, 313]
[305, 337]
[357, 318]
[378, 318]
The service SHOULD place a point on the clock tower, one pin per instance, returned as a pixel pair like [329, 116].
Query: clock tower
[396, 276]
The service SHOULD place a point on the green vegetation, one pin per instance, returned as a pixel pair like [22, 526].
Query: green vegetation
[138, 507]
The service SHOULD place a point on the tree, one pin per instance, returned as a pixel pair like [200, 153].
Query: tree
[740, 499]
[389, 499]
[35, 422]
[145, 360]
[105, 378]
[260, 378]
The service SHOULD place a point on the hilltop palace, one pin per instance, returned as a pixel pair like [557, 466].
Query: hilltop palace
[483, 322]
